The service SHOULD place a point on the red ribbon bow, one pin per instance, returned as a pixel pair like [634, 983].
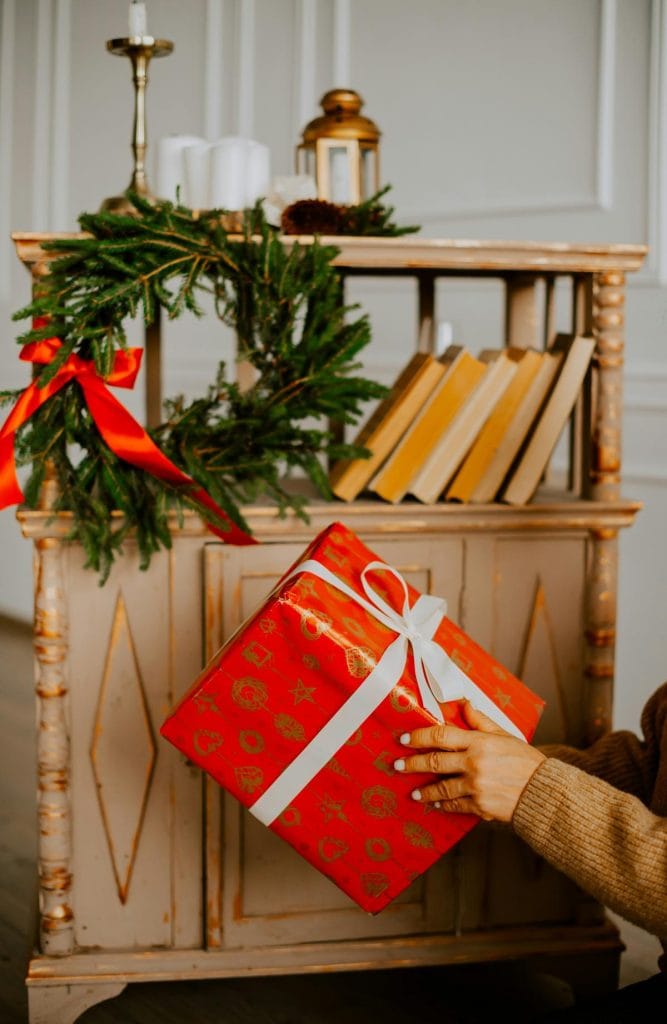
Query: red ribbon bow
[124, 436]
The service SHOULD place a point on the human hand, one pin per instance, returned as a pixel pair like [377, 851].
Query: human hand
[485, 770]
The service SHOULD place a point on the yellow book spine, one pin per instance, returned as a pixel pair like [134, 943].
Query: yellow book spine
[393, 481]
[486, 445]
[349, 478]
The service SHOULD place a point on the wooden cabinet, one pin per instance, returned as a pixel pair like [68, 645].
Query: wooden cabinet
[129, 831]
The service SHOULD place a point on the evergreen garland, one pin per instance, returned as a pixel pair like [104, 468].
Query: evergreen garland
[286, 306]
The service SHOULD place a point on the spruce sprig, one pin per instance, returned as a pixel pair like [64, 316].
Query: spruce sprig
[285, 303]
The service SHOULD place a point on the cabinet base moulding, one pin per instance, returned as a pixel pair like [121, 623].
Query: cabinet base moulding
[410, 951]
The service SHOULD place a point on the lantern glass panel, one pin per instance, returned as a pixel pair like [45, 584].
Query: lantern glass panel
[369, 175]
[340, 174]
[305, 161]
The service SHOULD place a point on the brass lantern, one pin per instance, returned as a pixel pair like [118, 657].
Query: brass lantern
[341, 150]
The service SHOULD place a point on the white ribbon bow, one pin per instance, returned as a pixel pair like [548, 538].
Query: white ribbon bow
[439, 680]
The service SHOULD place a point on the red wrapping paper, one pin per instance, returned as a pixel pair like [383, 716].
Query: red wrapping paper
[279, 679]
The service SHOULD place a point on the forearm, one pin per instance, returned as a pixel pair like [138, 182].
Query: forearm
[619, 758]
[605, 840]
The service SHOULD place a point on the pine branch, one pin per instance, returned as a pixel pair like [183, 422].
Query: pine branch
[286, 306]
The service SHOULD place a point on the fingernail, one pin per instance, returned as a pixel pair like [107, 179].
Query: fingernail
[399, 765]
[405, 738]
[416, 795]
[437, 804]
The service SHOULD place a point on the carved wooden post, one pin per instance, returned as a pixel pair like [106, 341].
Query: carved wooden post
[605, 479]
[608, 328]
[600, 635]
[426, 312]
[521, 329]
[53, 752]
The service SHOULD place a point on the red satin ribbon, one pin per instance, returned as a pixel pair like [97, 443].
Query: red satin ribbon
[124, 436]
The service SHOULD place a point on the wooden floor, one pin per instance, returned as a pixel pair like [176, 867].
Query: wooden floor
[461, 995]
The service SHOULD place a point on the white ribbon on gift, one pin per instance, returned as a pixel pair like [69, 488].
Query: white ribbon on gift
[439, 680]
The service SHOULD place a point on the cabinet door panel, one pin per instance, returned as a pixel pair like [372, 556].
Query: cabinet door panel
[538, 629]
[135, 644]
[260, 891]
[538, 625]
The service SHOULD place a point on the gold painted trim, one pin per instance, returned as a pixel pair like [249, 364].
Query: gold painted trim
[121, 620]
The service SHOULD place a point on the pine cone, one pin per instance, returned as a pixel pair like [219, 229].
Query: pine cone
[311, 217]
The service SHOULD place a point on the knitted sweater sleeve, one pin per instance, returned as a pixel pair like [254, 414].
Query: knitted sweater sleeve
[606, 840]
[621, 758]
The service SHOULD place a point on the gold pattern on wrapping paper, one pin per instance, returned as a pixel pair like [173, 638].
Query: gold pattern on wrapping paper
[330, 848]
[374, 883]
[336, 556]
[499, 672]
[302, 692]
[249, 693]
[205, 741]
[401, 700]
[313, 624]
[384, 763]
[206, 702]
[379, 802]
[311, 662]
[355, 738]
[354, 626]
[337, 768]
[249, 778]
[268, 626]
[377, 848]
[331, 808]
[417, 835]
[465, 664]
[307, 585]
[251, 741]
[359, 661]
[335, 594]
[289, 727]
[256, 654]
[460, 638]
[290, 816]
[502, 699]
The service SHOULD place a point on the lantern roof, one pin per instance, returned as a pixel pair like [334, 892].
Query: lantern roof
[342, 119]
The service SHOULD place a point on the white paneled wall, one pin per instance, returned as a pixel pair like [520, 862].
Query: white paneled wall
[501, 118]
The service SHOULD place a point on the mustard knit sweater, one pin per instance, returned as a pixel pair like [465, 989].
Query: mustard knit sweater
[600, 816]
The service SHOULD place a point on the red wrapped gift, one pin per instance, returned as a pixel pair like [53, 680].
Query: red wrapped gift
[299, 715]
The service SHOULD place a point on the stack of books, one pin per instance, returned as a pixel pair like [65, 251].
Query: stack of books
[469, 428]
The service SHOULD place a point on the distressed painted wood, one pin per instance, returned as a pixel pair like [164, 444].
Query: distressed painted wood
[56, 923]
[521, 323]
[608, 330]
[413, 254]
[58, 1004]
[128, 827]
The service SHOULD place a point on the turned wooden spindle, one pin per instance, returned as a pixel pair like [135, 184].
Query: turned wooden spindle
[608, 329]
[53, 747]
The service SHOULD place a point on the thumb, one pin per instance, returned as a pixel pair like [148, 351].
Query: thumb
[477, 719]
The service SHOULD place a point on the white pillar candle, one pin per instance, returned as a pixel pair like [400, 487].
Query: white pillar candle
[137, 19]
[258, 172]
[170, 164]
[197, 176]
[229, 158]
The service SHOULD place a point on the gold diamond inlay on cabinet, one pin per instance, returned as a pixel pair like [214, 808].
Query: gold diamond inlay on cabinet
[539, 669]
[123, 749]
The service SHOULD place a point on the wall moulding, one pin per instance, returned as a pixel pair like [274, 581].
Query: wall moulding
[601, 199]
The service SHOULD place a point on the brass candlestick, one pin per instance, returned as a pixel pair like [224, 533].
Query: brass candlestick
[139, 49]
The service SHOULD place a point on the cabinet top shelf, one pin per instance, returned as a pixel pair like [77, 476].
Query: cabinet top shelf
[415, 254]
